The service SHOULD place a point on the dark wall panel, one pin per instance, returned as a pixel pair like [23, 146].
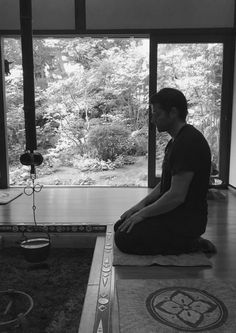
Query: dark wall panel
[47, 14]
[159, 14]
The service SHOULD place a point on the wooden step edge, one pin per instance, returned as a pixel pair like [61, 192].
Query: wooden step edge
[88, 315]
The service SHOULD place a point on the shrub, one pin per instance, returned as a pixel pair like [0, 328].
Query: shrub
[139, 142]
[122, 160]
[109, 141]
[85, 164]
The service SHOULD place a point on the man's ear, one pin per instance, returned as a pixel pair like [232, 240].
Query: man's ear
[174, 112]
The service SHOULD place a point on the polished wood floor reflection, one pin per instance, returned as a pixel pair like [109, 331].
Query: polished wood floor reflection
[72, 205]
[104, 206]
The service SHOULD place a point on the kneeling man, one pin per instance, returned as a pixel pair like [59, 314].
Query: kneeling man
[171, 219]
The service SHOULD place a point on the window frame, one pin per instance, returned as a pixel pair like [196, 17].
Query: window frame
[4, 167]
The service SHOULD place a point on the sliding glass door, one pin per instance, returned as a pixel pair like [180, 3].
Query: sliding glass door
[195, 68]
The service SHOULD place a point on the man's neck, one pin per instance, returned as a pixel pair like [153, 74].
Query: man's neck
[175, 130]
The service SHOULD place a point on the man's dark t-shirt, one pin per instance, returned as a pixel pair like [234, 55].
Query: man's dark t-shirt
[188, 152]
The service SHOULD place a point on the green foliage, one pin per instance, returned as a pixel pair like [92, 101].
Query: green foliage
[85, 164]
[139, 142]
[108, 141]
[91, 97]
[196, 69]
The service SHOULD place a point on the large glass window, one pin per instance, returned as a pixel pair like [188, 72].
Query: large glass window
[91, 99]
[196, 69]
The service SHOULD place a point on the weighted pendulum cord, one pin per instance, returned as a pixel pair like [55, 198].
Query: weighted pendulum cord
[35, 249]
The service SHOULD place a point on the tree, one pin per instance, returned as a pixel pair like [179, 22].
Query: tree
[82, 83]
[196, 69]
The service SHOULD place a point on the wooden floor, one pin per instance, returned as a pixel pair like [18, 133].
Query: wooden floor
[104, 206]
[72, 205]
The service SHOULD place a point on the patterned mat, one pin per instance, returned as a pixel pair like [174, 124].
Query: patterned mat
[181, 305]
[8, 195]
[190, 259]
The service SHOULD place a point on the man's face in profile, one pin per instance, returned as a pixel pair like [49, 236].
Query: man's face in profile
[161, 118]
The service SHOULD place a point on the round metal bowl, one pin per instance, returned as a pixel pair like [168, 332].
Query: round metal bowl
[22, 304]
[36, 249]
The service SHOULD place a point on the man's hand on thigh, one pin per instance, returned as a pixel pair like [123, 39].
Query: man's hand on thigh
[129, 223]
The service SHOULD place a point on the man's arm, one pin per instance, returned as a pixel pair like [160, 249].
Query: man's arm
[167, 202]
[152, 196]
[172, 198]
[149, 199]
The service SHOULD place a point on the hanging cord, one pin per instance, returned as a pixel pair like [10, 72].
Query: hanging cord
[34, 190]
[30, 190]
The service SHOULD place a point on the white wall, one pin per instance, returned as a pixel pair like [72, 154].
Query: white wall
[160, 14]
[123, 14]
[232, 171]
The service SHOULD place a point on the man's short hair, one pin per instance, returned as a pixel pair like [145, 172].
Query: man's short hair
[171, 97]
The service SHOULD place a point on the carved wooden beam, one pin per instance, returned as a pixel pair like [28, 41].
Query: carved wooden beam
[28, 73]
